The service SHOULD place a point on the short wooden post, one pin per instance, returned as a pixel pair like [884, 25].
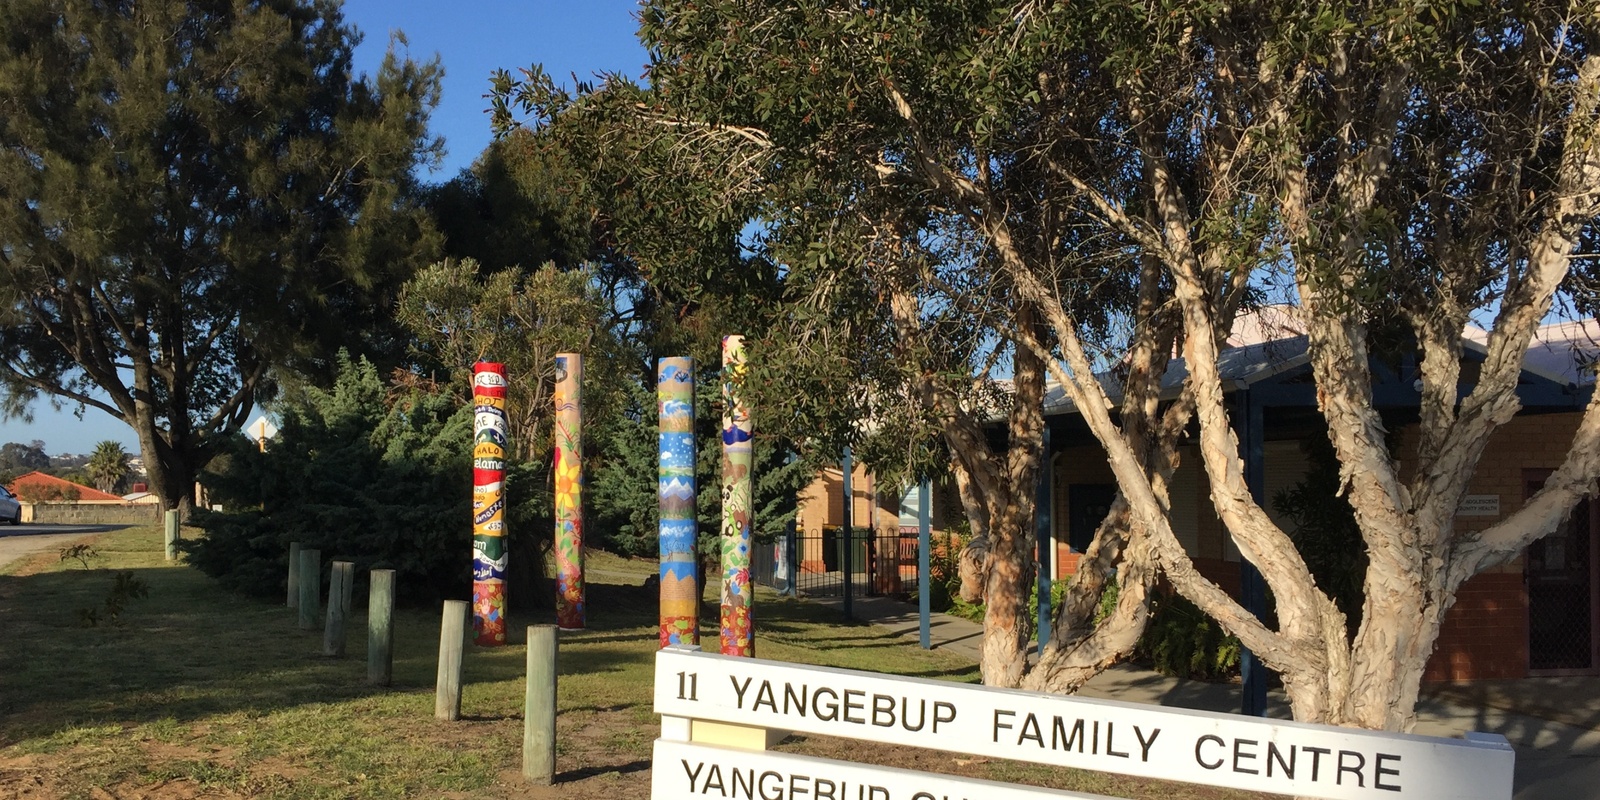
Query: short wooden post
[172, 534]
[310, 583]
[294, 575]
[333, 629]
[348, 585]
[380, 627]
[539, 712]
[452, 640]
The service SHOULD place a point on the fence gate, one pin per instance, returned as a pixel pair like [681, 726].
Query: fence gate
[721, 713]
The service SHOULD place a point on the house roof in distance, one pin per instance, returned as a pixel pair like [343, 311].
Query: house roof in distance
[86, 494]
[1272, 341]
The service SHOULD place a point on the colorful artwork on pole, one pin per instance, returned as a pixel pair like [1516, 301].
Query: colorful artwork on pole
[569, 492]
[738, 638]
[488, 503]
[680, 600]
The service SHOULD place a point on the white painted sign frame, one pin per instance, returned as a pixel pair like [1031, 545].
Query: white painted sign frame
[687, 771]
[1226, 750]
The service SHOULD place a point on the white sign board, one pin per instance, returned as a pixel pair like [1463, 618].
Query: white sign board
[1479, 505]
[1103, 735]
[684, 771]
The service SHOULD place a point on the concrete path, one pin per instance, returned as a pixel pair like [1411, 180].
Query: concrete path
[17, 541]
[1554, 723]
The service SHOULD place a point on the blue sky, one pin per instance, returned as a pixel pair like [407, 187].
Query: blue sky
[472, 38]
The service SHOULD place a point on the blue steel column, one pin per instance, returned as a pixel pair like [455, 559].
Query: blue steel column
[1042, 522]
[791, 535]
[847, 467]
[1252, 590]
[924, 543]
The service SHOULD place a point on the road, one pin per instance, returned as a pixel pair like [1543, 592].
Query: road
[17, 541]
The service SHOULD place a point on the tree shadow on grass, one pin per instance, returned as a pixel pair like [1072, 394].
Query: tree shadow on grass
[190, 651]
[574, 775]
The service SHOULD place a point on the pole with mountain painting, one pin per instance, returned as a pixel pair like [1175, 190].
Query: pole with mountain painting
[680, 598]
[488, 503]
[738, 635]
[569, 492]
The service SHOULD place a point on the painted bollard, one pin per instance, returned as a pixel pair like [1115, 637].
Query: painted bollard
[569, 491]
[679, 530]
[737, 463]
[489, 445]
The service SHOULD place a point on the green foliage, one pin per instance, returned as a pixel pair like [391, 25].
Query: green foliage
[1325, 531]
[513, 207]
[19, 458]
[48, 493]
[624, 487]
[459, 314]
[81, 552]
[198, 194]
[360, 473]
[125, 588]
[1183, 642]
[107, 465]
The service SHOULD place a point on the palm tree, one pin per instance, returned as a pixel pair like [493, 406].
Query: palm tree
[107, 465]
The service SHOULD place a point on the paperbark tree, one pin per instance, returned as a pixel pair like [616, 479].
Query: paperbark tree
[1423, 164]
[894, 319]
[192, 195]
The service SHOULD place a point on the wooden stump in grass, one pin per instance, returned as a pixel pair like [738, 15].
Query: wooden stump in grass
[539, 712]
[339, 574]
[452, 640]
[380, 627]
[294, 575]
[310, 583]
[349, 585]
[171, 531]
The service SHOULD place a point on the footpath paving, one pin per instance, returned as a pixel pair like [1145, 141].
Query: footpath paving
[1554, 723]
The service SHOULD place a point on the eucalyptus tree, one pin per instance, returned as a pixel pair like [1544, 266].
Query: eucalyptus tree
[194, 197]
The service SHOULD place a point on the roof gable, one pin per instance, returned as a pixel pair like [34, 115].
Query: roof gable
[86, 494]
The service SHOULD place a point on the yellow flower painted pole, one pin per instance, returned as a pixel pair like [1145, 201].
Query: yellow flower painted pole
[569, 492]
[738, 456]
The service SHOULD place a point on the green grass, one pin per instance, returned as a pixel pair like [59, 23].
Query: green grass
[211, 690]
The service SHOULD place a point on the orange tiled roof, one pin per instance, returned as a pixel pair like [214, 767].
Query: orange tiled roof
[86, 494]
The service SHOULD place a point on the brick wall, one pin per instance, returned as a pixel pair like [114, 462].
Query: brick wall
[1485, 635]
[94, 513]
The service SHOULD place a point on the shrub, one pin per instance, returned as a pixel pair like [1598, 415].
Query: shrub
[379, 479]
[1181, 641]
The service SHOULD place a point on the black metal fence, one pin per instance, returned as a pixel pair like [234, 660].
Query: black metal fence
[818, 563]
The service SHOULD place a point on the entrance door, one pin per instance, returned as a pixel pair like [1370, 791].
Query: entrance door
[1562, 595]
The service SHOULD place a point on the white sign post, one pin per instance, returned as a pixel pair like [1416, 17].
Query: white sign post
[1107, 736]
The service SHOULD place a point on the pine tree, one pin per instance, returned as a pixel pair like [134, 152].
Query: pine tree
[195, 195]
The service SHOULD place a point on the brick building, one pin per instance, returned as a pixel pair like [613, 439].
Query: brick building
[1535, 616]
